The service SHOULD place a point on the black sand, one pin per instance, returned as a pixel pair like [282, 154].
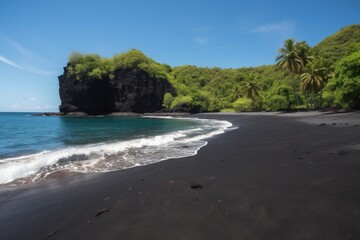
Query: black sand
[272, 178]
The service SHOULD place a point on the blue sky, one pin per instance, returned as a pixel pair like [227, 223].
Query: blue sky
[36, 37]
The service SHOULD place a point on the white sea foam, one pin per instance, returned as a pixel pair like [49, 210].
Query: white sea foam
[111, 156]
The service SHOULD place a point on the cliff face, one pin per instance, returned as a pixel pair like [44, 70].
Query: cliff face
[131, 90]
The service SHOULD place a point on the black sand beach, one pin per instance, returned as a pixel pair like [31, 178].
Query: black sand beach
[277, 176]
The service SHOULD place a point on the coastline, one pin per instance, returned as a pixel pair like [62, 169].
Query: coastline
[278, 176]
[113, 114]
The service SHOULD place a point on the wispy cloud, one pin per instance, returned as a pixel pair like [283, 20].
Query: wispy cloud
[29, 57]
[40, 72]
[21, 49]
[9, 62]
[29, 106]
[14, 106]
[201, 41]
[286, 26]
[27, 69]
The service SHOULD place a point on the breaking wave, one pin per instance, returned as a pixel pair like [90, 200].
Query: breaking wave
[110, 156]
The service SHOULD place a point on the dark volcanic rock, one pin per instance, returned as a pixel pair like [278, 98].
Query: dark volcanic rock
[131, 90]
[49, 114]
[195, 185]
[136, 91]
[76, 114]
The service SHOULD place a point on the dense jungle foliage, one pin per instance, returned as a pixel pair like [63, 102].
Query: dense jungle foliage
[325, 76]
[93, 66]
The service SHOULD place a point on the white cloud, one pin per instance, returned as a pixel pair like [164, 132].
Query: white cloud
[14, 106]
[26, 106]
[50, 107]
[201, 40]
[286, 26]
[28, 58]
[21, 49]
[33, 99]
[28, 69]
[41, 108]
[40, 72]
[9, 62]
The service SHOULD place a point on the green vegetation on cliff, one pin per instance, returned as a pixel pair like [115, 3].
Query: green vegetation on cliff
[304, 77]
[215, 89]
[343, 90]
[335, 46]
[93, 66]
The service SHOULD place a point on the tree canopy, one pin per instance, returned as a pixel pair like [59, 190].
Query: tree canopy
[335, 46]
[93, 66]
[323, 76]
[344, 89]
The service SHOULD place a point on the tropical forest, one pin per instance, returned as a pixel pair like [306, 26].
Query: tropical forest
[325, 76]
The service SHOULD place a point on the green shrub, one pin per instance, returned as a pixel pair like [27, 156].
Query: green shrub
[168, 99]
[228, 110]
[345, 85]
[181, 100]
[242, 104]
[93, 66]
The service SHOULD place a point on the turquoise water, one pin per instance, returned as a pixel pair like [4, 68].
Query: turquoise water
[34, 147]
[22, 133]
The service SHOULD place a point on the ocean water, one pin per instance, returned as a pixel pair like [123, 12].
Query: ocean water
[34, 148]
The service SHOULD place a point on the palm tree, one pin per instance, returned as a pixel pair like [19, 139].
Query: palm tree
[217, 99]
[326, 70]
[290, 60]
[303, 50]
[251, 88]
[235, 92]
[311, 80]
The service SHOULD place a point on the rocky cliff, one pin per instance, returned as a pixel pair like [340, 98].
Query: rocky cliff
[130, 90]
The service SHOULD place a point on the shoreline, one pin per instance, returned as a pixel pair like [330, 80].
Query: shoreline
[112, 114]
[150, 139]
[303, 113]
[275, 177]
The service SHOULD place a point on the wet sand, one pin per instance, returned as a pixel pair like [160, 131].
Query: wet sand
[277, 176]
